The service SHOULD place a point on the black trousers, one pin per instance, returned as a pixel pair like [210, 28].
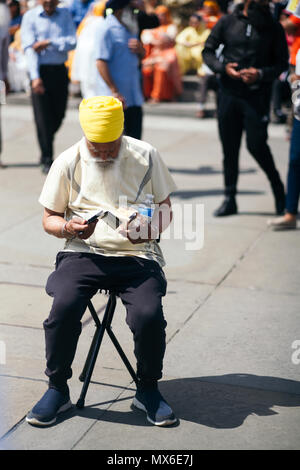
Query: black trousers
[249, 114]
[49, 108]
[133, 121]
[139, 283]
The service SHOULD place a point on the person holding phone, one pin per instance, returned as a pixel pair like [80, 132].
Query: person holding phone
[254, 54]
[97, 174]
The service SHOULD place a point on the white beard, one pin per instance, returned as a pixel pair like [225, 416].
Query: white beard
[109, 178]
[130, 21]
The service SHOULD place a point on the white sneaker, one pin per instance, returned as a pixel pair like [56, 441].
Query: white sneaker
[281, 223]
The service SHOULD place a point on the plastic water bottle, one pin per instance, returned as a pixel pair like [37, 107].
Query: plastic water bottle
[147, 207]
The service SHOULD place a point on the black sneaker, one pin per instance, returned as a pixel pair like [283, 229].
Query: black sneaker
[279, 117]
[158, 411]
[46, 165]
[279, 196]
[228, 207]
[45, 412]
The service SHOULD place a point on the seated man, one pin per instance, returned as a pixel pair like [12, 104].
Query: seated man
[98, 172]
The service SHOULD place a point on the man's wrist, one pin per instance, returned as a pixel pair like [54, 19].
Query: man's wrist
[65, 232]
[114, 91]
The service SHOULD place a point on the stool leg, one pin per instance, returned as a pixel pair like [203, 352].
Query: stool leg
[94, 350]
[122, 354]
[92, 347]
[116, 342]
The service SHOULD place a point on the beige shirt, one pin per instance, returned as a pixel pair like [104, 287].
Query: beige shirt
[75, 186]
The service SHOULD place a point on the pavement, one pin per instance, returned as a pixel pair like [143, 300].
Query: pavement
[232, 365]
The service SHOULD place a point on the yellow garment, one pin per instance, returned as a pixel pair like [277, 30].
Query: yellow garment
[190, 58]
[101, 118]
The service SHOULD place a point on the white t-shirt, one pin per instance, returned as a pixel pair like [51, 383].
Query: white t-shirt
[74, 186]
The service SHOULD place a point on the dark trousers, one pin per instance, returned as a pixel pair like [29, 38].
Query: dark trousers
[78, 276]
[293, 181]
[236, 114]
[133, 122]
[49, 108]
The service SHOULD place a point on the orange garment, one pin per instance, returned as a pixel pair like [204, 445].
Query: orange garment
[160, 69]
[295, 46]
[210, 21]
[210, 13]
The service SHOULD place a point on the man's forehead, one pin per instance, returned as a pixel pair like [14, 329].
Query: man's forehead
[104, 145]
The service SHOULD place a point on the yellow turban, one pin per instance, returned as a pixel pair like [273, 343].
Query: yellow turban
[101, 118]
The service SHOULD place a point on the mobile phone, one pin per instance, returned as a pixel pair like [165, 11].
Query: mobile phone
[111, 220]
[95, 217]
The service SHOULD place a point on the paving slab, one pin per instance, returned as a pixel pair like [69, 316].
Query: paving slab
[239, 331]
[270, 264]
[210, 264]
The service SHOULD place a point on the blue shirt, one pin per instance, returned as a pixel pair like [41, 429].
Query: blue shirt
[37, 26]
[79, 9]
[112, 47]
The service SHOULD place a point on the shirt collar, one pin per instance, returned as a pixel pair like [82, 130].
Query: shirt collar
[114, 20]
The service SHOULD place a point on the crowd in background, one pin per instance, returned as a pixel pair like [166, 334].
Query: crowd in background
[173, 49]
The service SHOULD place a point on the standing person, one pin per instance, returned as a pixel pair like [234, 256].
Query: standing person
[255, 53]
[47, 34]
[4, 41]
[93, 174]
[289, 220]
[16, 17]
[83, 68]
[117, 57]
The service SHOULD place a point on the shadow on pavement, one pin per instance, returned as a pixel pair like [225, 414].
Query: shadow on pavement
[22, 165]
[207, 170]
[222, 402]
[193, 193]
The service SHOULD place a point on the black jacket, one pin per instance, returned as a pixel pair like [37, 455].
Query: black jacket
[264, 48]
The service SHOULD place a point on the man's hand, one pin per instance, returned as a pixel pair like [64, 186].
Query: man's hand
[37, 86]
[136, 47]
[120, 97]
[139, 230]
[77, 227]
[231, 71]
[41, 45]
[103, 70]
[250, 75]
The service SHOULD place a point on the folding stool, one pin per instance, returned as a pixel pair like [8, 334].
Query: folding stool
[88, 368]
